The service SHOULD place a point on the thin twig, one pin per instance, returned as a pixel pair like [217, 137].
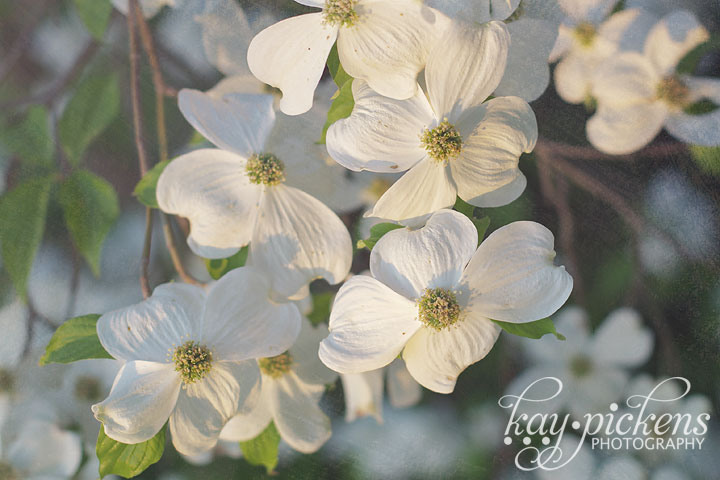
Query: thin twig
[151, 51]
[174, 254]
[145, 259]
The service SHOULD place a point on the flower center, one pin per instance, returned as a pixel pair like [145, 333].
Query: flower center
[442, 142]
[265, 169]
[438, 308]
[88, 389]
[340, 12]
[673, 91]
[276, 367]
[585, 33]
[7, 472]
[192, 361]
[7, 381]
[580, 366]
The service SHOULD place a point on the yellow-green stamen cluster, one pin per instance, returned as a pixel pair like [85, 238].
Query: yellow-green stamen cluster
[673, 91]
[265, 169]
[442, 142]
[88, 389]
[581, 366]
[276, 367]
[192, 361]
[340, 12]
[585, 33]
[7, 472]
[7, 381]
[438, 308]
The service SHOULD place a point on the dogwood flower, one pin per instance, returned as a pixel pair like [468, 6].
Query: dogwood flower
[292, 384]
[450, 142]
[587, 37]
[189, 356]
[594, 368]
[238, 196]
[639, 94]
[433, 292]
[384, 42]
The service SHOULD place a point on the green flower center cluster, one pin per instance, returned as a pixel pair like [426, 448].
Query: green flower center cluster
[673, 91]
[581, 366]
[442, 142]
[438, 308]
[7, 472]
[7, 381]
[276, 367]
[265, 169]
[192, 361]
[340, 12]
[585, 33]
[88, 389]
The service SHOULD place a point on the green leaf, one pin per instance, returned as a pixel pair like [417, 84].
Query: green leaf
[707, 158]
[338, 73]
[22, 223]
[94, 105]
[95, 14]
[322, 302]
[30, 139]
[74, 340]
[531, 329]
[218, 267]
[376, 233]
[701, 107]
[481, 224]
[690, 61]
[263, 449]
[342, 107]
[90, 206]
[145, 190]
[128, 460]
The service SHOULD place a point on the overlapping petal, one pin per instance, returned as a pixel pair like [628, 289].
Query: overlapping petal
[363, 393]
[628, 78]
[672, 38]
[623, 130]
[622, 340]
[248, 425]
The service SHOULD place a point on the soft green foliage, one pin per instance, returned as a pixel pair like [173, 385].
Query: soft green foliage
[339, 75]
[322, 303]
[94, 105]
[30, 139]
[220, 266]
[145, 190]
[701, 108]
[263, 449]
[533, 330]
[376, 233]
[95, 14]
[343, 101]
[22, 217]
[74, 340]
[128, 460]
[481, 224]
[689, 62]
[707, 158]
[90, 206]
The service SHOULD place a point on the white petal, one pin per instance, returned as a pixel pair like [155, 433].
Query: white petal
[435, 359]
[698, 129]
[624, 31]
[425, 189]
[490, 154]
[512, 278]
[298, 417]
[242, 322]
[527, 73]
[369, 325]
[298, 239]
[625, 79]
[237, 122]
[389, 45]
[204, 407]
[622, 340]
[45, 452]
[248, 425]
[363, 393]
[312, 3]
[587, 10]
[403, 390]
[572, 321]
[140, 402]
[672, 38]
[409, 261]
[305, 361]
[624, 130]
[381, 134]
[466, 66]
[209, 187]
[149, 329]
[572, 77]
[291, 55]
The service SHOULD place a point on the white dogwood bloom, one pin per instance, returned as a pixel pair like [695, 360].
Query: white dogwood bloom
[238, 195]
[384, 42]
[190, 356]
[292, 385]
[451, 143]
[639, 94]
[594, 368]
[587, 38]
[433, 292]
